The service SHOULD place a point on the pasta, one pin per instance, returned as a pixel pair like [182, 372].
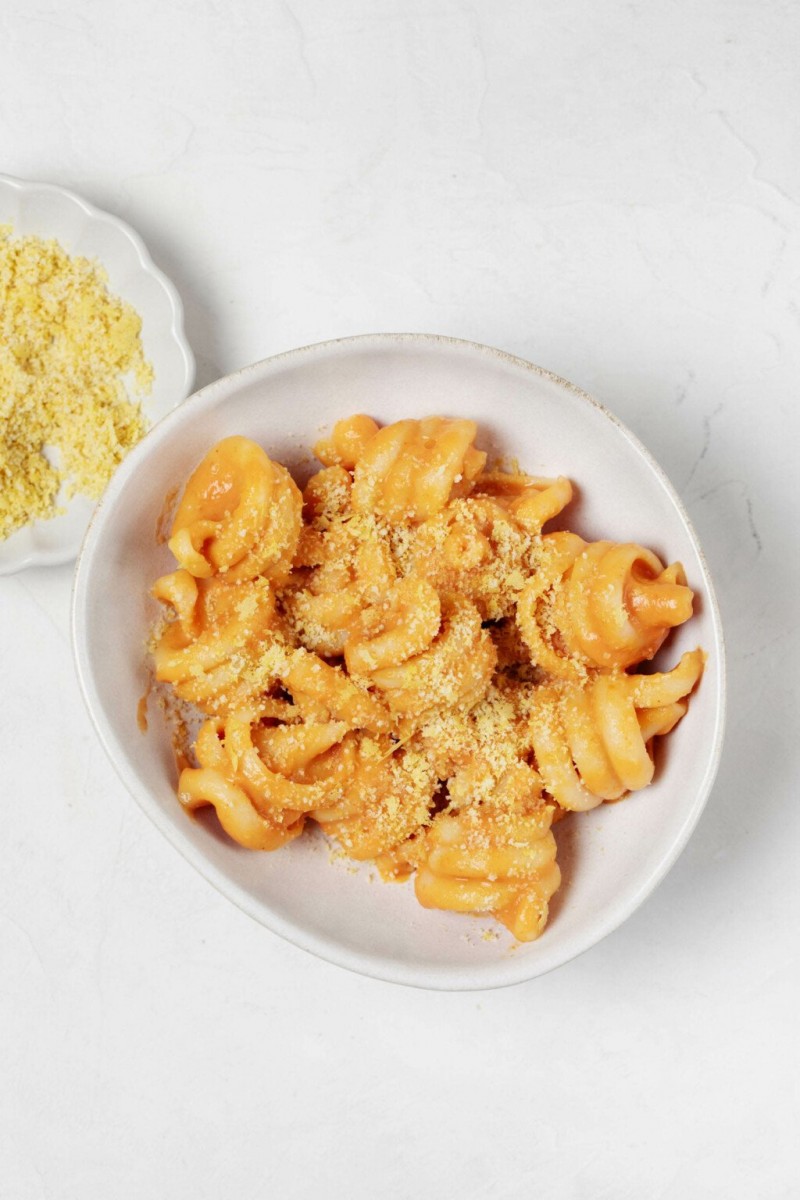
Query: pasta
[401, 655]
[599, 605]
[239, 515]
[474, 863]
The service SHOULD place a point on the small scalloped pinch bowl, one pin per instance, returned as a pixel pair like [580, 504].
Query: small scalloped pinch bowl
[611, 858]
[48, 211]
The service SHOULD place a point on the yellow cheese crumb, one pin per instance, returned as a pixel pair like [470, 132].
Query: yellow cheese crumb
[65, 345]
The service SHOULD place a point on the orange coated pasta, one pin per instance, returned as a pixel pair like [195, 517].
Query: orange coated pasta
[402, 655]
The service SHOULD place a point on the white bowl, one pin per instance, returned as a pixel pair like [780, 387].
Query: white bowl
[48, 211]
[611, 858]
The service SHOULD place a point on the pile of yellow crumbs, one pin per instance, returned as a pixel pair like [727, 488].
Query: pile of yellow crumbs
[66, 348]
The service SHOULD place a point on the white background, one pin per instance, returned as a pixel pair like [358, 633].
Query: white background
[612, 190]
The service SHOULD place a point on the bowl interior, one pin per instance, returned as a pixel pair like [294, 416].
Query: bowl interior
[611, 858]
[46, 211]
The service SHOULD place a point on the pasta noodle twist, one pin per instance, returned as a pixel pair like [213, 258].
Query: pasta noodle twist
[454, 670]
[240, 515]
[253, 804]
[392, 631]
[323, 692]
[219, 632]
[531, 499]
[488, 859]
[599, 605]
[347, 570]
[326, 497]
[227, 650]
[480, 753]
[592, 740]
[477, 548]
[482, 743]
[379, 793]
[348, 441]
[408, 471]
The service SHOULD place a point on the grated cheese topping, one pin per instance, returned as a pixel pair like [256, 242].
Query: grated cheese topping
[67, 348]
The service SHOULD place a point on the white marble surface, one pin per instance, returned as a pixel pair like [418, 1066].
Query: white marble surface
[612, 190]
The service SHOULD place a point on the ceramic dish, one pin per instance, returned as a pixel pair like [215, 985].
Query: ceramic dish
[611, 858]
[52, 212]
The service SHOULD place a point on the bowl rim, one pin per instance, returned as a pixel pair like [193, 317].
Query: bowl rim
[59, 555]
[515, 969]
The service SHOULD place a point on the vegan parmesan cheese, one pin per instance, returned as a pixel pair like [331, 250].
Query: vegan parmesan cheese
[71, 367]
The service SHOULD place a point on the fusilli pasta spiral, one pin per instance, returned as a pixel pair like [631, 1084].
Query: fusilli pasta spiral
[601, 605]
[219, 634]
[251, 802]
[478, 861]
[239, 516]
[591, 739]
